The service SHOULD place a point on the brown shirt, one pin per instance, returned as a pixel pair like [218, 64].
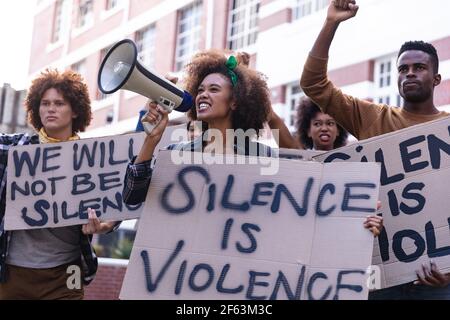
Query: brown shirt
[363, 119]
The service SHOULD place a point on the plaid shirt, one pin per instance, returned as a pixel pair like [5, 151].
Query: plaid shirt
[138, 176]
[88, 256]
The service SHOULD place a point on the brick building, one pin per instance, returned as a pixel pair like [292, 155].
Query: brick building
[277, 33]
[13, 116]
[108, 281]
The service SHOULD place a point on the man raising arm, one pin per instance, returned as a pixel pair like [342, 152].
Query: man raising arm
[418, 75]
[417, 66]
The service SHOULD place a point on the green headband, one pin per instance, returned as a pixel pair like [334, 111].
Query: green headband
[231, 65]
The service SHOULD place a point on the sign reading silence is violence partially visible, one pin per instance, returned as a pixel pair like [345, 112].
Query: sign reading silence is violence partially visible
[415, 196]
[52, 185]
[224, 231]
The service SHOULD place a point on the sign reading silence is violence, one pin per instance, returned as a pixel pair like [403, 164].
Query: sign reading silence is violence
[224, 231]
[415, 196]
[53, 185]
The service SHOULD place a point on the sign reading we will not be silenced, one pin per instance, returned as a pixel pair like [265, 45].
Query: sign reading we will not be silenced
[225, 231]
[52, 185]
[415, 197]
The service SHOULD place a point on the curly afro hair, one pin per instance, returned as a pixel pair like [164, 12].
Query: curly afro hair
[424, 47]
[306, 111]
[251, 94]
[72, 87]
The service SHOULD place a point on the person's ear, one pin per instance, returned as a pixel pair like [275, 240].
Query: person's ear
[437, 80]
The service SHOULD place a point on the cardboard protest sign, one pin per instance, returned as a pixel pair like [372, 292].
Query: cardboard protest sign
[296, 154]
[224, 231]
[415, 169]
[52, 185]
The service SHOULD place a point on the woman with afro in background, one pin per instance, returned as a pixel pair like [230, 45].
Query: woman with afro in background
[317, 130]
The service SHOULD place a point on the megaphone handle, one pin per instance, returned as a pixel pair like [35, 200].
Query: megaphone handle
[148, 127]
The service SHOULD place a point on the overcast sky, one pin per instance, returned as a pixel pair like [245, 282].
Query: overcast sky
[15, 34]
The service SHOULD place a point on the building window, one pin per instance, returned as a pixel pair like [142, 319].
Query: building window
[384, 100]
[303, 8]
[110, 117]
[243, 23]
[145, 42]
[111, 4]
[294, 94]
[59, 20]
[80, 67]
[386, 91]
[189, 32]
[22, 114]
[384, 76]
[103, 52]
[85, 13]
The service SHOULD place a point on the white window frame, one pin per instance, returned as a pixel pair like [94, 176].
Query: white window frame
[22, 113]
[304, 8]
[60, 21]
[188, 40]
[293, 95]
[385, 81]
[145, 39]
[110, 11]
[247, 35]
[384, 74]
[81, 68]
[111, 4]
[85, 14]
[100, 95]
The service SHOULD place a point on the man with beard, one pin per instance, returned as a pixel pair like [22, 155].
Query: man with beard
[418, 67]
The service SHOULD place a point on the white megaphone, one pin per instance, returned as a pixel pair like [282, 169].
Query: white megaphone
[121, 70]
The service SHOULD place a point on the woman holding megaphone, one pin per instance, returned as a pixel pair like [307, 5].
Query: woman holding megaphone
[228, 96]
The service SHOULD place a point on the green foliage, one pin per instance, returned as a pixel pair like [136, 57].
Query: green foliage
[99, 250]
[123, 250]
